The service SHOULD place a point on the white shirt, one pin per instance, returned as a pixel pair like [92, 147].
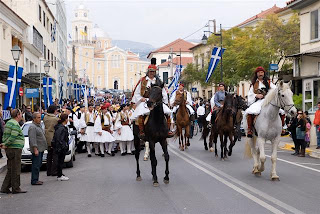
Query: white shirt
[173, 98]
[252, 95]
[201, 110]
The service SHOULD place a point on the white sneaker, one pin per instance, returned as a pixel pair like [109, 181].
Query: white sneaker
[63, 178]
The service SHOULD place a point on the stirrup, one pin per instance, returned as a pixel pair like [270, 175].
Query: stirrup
[249, 134]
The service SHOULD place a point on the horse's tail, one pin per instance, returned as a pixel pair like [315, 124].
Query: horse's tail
[247, 148]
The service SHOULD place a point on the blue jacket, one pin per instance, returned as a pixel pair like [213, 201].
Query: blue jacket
[219, 96]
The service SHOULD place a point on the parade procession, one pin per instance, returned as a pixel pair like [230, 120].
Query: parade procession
[166, 113]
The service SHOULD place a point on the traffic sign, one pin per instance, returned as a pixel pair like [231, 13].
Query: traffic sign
[32, 93]
[273, 67]
[20, 91]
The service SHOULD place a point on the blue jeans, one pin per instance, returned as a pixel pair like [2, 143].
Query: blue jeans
[35, 169]
[318, 135]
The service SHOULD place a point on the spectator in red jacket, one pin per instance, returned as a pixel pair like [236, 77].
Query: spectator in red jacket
[316, 122]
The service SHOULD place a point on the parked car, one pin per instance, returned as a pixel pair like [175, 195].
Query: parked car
[26, 154]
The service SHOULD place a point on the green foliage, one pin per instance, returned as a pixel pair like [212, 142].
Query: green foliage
[248, 48]
[297, 99]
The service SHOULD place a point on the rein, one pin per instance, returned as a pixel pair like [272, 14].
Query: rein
[282, 105]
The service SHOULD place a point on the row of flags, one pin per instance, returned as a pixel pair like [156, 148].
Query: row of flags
[13, 83]
[176, 78]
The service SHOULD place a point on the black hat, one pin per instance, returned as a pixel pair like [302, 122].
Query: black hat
[222, 84]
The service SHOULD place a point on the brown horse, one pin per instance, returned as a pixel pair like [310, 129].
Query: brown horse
[182, 122]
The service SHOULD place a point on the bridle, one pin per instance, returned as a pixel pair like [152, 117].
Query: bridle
[281, 103]
[155, 104]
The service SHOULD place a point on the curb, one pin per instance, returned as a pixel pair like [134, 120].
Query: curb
[310, 152]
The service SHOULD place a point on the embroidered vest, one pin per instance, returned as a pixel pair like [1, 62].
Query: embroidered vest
[256, 89]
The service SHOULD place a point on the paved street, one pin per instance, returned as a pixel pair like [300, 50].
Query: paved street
[199, 183]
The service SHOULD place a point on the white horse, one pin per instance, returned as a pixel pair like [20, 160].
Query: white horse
[268, 126]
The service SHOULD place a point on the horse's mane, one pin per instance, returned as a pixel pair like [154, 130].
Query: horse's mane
[272, 93]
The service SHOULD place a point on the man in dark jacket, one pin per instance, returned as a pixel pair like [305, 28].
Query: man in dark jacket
[28, 114]
[38, 145]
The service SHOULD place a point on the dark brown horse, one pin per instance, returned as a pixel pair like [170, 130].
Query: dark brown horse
[182, 122]
[156, 130]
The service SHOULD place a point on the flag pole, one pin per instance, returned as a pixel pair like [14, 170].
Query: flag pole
[221, 73]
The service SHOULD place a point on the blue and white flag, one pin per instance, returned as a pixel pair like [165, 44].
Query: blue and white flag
[83, 90]
[70, 36]
[78, 92]
[47, 91]
[6, 114]
[75, 90]
[123, 100]
[215, 58]
[176, 76]
[13, 82]
[69, 85]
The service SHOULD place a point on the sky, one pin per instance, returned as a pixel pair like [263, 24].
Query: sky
[159, 22]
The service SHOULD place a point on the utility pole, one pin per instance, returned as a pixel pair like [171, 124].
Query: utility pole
[73, 68]
[221, 70]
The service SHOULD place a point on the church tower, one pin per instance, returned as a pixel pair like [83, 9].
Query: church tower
[81, 25]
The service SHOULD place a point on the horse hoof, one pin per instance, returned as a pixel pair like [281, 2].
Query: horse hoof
[258, 174]
[139, 179]
[222, 159]
[155, 184]
[229, 153]
[188, 144]
[165, 181]
[145, 159]
[206, 148]
[211, 149]
[275, 179]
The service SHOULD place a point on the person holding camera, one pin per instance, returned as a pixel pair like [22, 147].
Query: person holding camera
[60, 144]
[301, 133]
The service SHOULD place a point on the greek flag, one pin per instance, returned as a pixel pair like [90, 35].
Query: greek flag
[89, 91]
[123, 100]
[78, 92]
[53, 32]
[176, 76]
[69, 85]
[83, 90]
[47, 91]
[215, 58]
[6, 114]
[13, 82]
[75, 90]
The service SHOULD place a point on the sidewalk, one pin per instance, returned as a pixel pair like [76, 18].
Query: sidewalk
[286, 143]
[3, 162]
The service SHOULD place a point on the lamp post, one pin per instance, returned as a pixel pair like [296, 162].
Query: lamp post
[204, 41]
[70, 87]
[61, 73]
[16, 53]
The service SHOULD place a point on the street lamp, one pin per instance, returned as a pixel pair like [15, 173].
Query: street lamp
[47, 68]
[16, 53]
[61, 72]
[204, 39]
[70, 88]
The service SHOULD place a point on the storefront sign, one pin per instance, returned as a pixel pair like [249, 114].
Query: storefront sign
[32, 92]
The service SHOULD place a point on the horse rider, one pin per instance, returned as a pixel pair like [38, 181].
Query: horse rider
[218, 100]
[141, 95]
[187, 96]
[259, 88]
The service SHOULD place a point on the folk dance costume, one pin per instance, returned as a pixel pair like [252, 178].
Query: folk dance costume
[255, 104]
[187, 97]
[122, 131]
[81, 128]
[90, 119]
[141, 91]
[102, 131]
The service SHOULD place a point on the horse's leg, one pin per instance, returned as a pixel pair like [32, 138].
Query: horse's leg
[221, 146]
[232, 143]
[215, 144]
[147, 151]
[275, 143]
[225, 143]
[153, 163]
[205, 143]
[252, 143]
[181, 138]
[187, 135]
[211, 140]
[164, 145]
[137, 155]
[261, 142]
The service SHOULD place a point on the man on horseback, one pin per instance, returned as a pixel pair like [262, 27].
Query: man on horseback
[174, 101]
[218, 100]
[141, 95]
[259, 88]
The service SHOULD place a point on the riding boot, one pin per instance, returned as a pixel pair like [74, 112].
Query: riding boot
[141, 127]
[170, 133]
[250, 123]
[303, 153]
[213, 117]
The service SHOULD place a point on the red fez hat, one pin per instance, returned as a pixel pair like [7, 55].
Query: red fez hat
[260, 69]
[107, 105]
[181, 84]
[152, 67]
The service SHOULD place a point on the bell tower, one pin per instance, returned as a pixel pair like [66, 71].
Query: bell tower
[81, 25]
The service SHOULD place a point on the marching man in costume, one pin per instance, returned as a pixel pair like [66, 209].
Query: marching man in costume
[90, 119]
[218, 100]
[187, 97]
[102, 129]
[141, 95]
[260, 86]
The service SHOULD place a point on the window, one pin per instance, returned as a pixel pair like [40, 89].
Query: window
[52, 59]
[45, 52]
[131, 68]
[163, 61]
[39, 13]
[296, 68]
[55, 62]
[99, 81]
[48, 54]
[44, 19]
[37, 40]
[4, 33]
[115, 84]
[314, 24]
[115, 61]
[165, 77]
[51, 28]
[85, 14]
[48, 24]
[106, 45]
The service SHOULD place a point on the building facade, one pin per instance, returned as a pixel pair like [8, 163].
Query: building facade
[105, 67]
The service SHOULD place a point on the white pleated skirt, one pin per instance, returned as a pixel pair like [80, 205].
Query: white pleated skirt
[90, 135]
[126, 134]
[106, 137]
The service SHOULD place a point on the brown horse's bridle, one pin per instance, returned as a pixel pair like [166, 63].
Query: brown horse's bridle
[155, 104]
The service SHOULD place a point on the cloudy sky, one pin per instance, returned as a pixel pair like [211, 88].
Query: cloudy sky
[158, 22]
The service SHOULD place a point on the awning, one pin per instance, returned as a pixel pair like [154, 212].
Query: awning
[315, 52]
[3, 88]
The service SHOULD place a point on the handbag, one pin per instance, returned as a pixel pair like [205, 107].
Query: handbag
[300, 134]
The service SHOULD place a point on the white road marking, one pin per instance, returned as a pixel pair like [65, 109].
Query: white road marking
[312, 164]
[238, 182]
[296, 164]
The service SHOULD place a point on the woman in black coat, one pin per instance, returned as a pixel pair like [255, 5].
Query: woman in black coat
[60, 144]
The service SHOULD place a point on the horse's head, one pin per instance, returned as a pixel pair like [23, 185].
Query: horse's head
[285, 100]
[155, 96]
[229, 103]
[240, 102]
